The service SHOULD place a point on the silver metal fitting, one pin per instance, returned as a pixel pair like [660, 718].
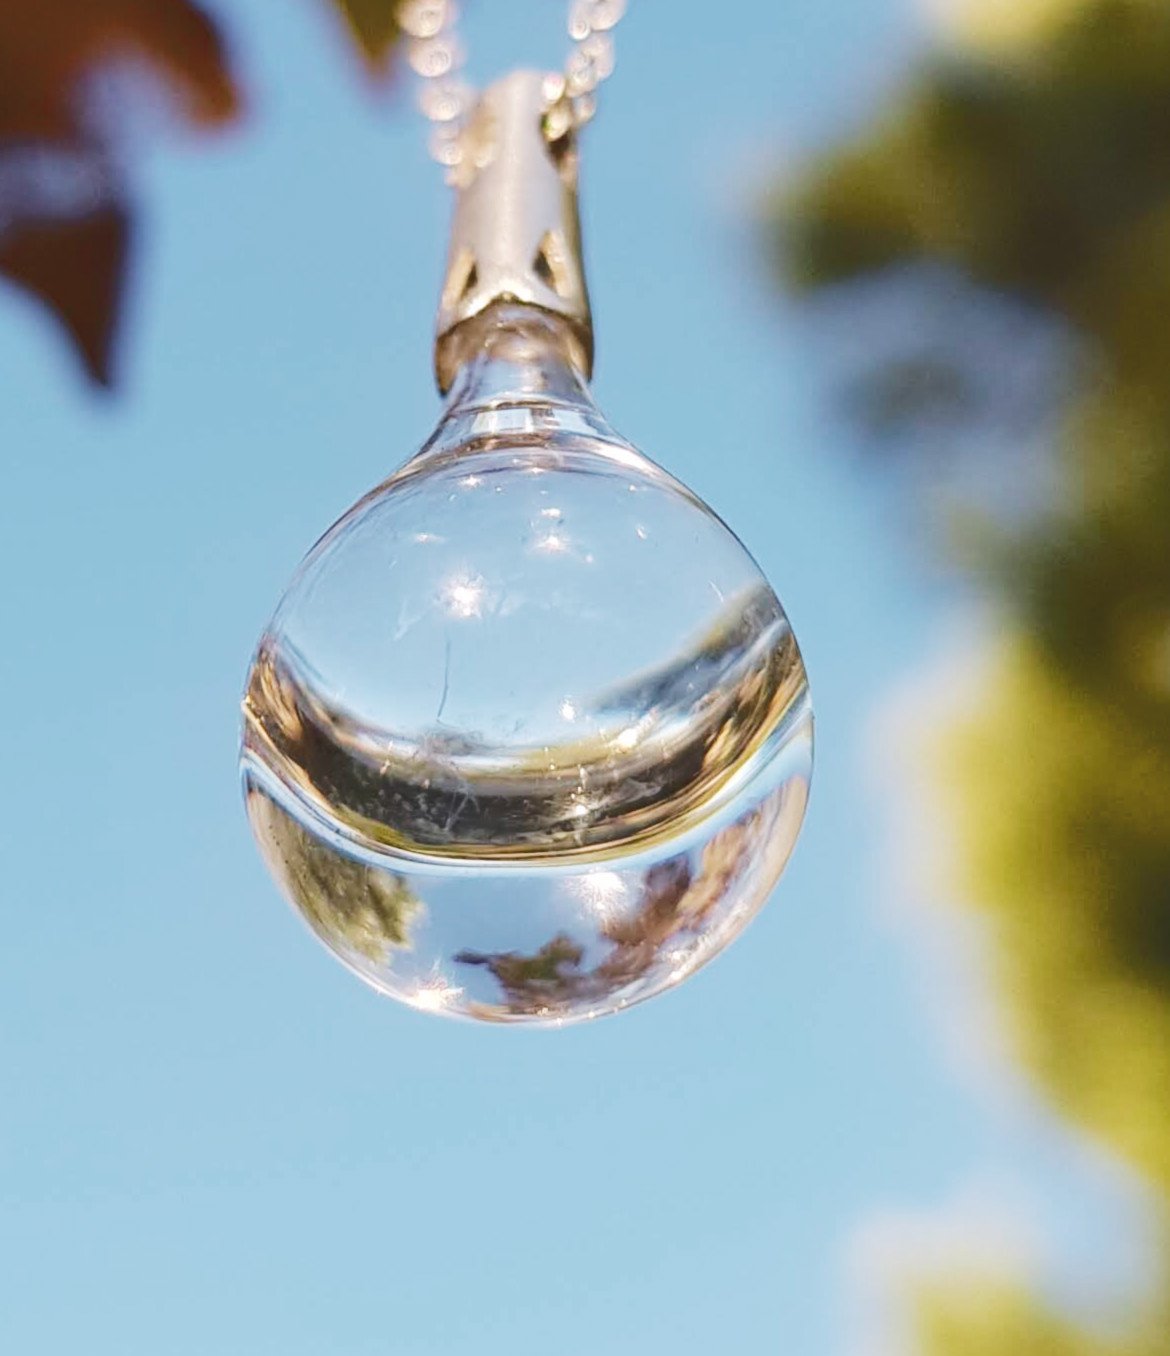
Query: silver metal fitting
[516, 234]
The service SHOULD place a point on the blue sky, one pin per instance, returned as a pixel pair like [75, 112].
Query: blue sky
[212, 1138]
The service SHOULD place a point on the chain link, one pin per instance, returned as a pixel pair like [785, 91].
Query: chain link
[436, 54]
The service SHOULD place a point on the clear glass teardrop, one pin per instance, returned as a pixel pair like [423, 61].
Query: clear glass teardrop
[529, 737]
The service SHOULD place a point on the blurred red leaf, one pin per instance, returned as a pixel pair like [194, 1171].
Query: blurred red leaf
[76, 268]
[63, 227]
[47, 47]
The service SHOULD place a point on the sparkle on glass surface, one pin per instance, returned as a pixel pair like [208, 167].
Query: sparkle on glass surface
[465, 597]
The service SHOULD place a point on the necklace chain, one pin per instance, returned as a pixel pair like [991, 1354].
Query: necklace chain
[436, 54]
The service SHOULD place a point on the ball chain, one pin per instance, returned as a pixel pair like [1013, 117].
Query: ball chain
[436, 54]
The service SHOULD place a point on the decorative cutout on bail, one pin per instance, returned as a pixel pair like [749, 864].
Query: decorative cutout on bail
[516, 235]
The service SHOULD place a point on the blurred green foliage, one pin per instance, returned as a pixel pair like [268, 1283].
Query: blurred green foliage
[1029, 174]
[1040, 174]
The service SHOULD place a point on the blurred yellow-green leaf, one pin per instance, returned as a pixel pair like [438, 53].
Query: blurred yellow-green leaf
[1059, 797]
[375, 26]
[991, 1318]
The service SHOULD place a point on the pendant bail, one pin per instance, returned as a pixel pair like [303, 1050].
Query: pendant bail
[516, 234]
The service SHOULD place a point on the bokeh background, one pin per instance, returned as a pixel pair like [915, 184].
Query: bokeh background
[887, 284]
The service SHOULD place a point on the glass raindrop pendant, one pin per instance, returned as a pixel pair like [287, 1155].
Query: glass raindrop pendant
[528, 738]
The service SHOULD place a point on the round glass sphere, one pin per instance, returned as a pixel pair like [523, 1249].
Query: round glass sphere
[529, 736]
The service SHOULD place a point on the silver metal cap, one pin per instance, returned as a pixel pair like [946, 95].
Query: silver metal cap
[516, 235]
